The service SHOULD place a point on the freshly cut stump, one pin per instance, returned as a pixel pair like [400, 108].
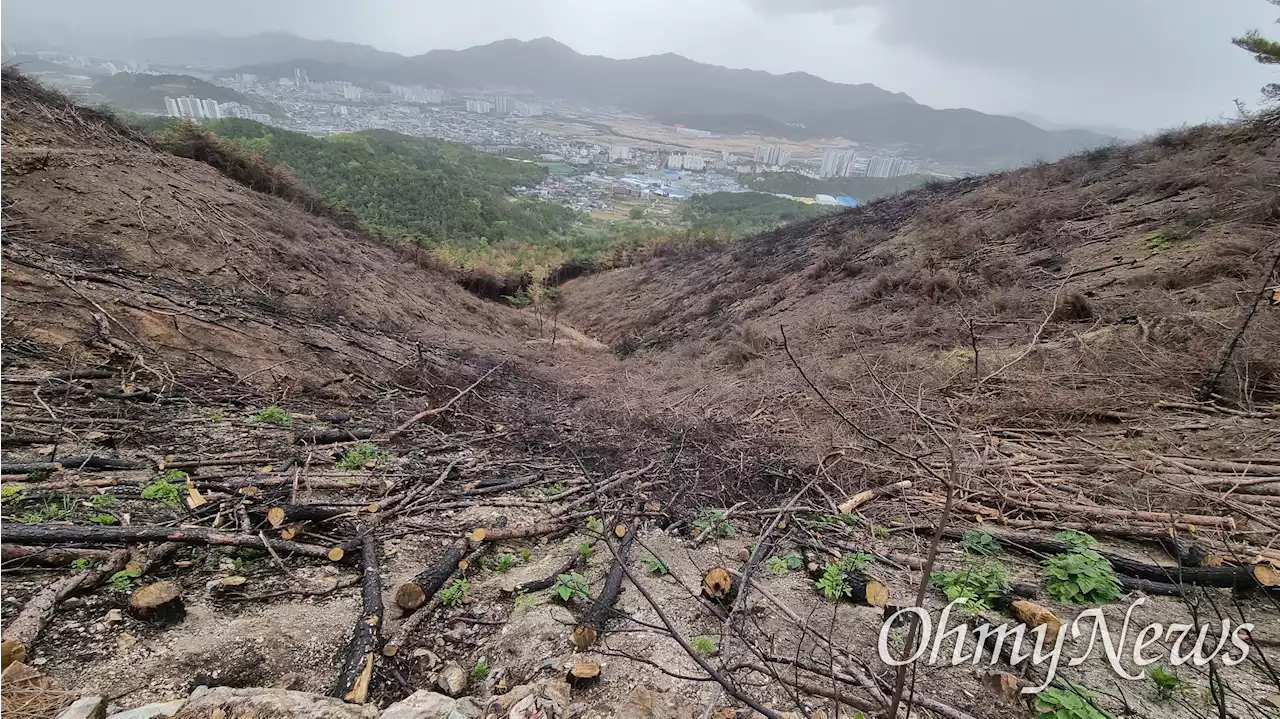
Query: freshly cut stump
[158, 603]
[718, 585]
[583, 675]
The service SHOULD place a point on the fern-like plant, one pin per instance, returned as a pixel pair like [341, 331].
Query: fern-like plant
[1083, 577]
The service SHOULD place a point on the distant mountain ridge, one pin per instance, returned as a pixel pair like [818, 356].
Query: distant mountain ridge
[669, 87]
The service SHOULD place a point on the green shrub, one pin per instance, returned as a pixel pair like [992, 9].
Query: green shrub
[361, 455]
[585, 550]
[979, 583]
[1072, 702]
[979, 543]
[163, 491]
[657, 566]
[103, 501]
[506, 562]
[481, 668]
[1166, 682]
[456, 593]
[1083, 577]
[715, 521]
[273, 415]
[1078, 540]
[10, 494]
[83, 564]
[832, 583]
[104, 519]
[704, 645]
[125, 580]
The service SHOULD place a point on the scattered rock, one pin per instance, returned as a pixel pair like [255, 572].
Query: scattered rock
[466, 709]
[289, 680]
[422, 704]
[152, 711]
[1003, 685]
[453, 680]
[114, 616]
[645, 702]
[230, 703]
[86, 708]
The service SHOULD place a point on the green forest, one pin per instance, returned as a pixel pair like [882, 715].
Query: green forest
[863, 189]
[746, 213]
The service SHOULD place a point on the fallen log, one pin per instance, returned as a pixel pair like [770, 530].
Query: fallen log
[357, 665]
[25, 627]
[889, 490]
[597, 616]
[1225, 576]
[50, 556]
[331, 435]
[419, 590]
[92, 461]
[70, 534]
[410, 625]
[1146, 586]
[283, 514]
[499, 534]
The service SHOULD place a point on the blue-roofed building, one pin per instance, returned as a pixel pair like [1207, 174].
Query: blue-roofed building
[847, 201]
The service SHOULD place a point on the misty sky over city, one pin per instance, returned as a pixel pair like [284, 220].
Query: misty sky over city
[1135, 63]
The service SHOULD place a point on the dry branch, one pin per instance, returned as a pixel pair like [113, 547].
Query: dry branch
[889, 490]
[597, 616]
[27, 625]
[68, 534]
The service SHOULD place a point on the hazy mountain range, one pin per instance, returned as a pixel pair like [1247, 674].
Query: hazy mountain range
[669, 87]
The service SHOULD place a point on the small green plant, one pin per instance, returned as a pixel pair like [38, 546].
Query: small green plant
[216, 416]
[571, 586]
[1167, 683]
[125, 580]
[854, 561]
[272, 415]
[1078, 540]
[104, 519]
[879, 531]
[715, 521]
[980, 544]
[103, 501]
[553, 490]
[704, 645]
[1157, 241]
[164, 491]
[585, 550]
[361, 455]
[658, 567]
[38, 475]
[519, 299]
[481, 668]
[83, 564]
[794, 560]
[832, 584]
[455, 594]
[1071, 702]
[777, 565]
[10, 494]
[506, 562]
[1083, 577]
[980, 583]
[595, 524]
[48, 511]
[525, 555]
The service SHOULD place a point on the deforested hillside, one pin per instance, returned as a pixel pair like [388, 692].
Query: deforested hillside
[105, 234]
[1099, 284]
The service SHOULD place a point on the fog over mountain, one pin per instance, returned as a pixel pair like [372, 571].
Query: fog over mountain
[1074, 63]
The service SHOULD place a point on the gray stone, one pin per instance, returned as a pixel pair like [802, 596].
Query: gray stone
[466, 709]
[453, 680]
[229, 703]
[86, 708]
[422, 704]
[152, 711]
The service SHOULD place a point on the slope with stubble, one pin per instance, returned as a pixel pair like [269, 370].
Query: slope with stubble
[112, 245]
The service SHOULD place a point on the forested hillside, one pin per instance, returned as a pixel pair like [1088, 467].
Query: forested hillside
[745, 213]
[430, 191]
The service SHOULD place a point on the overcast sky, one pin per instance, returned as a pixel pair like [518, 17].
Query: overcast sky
[1136, 63]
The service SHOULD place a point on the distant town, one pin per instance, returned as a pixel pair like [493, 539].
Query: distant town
[595, 157]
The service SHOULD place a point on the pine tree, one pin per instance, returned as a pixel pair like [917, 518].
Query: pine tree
[1264, 51]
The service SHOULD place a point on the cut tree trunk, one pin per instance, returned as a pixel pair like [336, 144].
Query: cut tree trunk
[93, 461]
[158, 603]
[889, 490]
[419, 590]
[718, 586]
[597, 616]
[1226, 576]
[583, 675]
[861, 587]
[25, 627]
[357, 665]
[68, 534]
[281, 515]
